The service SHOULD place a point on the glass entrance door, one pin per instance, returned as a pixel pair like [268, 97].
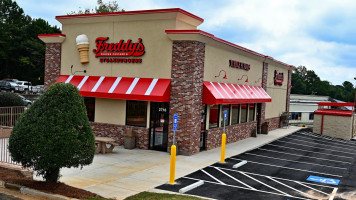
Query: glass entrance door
[159, 121]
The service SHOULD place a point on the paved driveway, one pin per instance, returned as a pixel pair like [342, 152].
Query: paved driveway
[302, 165]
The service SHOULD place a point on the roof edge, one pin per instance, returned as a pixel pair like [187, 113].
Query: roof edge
[132, 13]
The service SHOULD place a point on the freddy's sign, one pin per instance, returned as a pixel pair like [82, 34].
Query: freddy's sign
[239, 65]
[278, 78]
[116, 52]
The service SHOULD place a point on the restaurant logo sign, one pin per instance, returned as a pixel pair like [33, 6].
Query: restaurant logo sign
[278, 78]
[239, 65]
[118, 52]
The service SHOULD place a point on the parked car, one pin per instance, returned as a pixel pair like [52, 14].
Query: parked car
[26, 86]
[38, 89]
[9, 86]
[25, 101]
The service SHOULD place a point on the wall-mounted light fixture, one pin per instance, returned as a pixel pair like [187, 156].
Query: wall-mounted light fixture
[262, 83]
[225, 77]
[71, 68]
[242, 77]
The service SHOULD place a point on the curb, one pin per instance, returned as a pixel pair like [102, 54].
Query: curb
[29, 191]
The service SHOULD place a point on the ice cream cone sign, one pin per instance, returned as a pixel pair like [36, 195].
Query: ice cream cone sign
[83, 48]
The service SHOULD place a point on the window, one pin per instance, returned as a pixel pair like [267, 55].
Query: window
[214, 116]
[90, 105]
[227, 108]
[296, 115]
[311, 116]
[136, 113]
[243, 113]
[235, 113]
[251, 112]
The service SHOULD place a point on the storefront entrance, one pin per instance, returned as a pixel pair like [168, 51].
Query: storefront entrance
[159, 120]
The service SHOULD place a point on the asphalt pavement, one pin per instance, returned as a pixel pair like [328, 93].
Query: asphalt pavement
[302, 165]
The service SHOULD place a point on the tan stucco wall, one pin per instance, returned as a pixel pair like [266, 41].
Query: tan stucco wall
[334, 126]
[217, 59]
[278, 93]
[156, 62]
[110, 111]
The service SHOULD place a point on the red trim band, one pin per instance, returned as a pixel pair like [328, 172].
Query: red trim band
[52, 35]
[334, 112]
[132, 13]
[224, 42]
[335, 104]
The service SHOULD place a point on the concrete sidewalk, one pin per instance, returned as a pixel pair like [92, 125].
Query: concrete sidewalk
[126, 172]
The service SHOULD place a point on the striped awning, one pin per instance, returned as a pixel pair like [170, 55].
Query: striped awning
[227, 93]
[144, 89]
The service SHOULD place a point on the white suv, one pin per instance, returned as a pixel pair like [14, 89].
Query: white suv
[26, 86]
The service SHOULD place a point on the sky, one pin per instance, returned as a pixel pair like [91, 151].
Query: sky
[317, 34]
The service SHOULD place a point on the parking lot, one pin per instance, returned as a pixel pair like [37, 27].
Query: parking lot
[302, 165]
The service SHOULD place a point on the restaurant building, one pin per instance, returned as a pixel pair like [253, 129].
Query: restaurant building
[136, 69]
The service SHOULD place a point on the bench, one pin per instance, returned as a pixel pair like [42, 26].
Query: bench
[101, 142]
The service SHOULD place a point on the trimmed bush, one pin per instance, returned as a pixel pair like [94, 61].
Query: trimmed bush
[10, 99]
[53, 133]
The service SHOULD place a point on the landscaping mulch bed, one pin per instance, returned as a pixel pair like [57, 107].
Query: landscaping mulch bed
[15, 177]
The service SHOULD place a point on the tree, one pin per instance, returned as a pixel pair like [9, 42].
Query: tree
[53, 133]
[102, 8]
[10, 99]
[22, 53]
[307, 82]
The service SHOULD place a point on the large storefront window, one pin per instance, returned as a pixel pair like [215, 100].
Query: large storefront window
[235, 113]
[214, 116]
[136, 113]
[251, 112]
[243, 113]
[227, 108]
[90, 106]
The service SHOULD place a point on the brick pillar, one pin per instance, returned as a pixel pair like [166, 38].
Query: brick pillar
[288, 89]
[264, 86]
[52, 63]
[186, 94]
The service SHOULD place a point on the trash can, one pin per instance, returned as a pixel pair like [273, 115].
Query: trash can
[264, 128]
[129, 139]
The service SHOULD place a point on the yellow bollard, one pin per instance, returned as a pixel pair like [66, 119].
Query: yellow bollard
[223, 142]
[173, 164]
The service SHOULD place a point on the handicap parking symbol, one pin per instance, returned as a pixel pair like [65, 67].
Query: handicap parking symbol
[323, 180]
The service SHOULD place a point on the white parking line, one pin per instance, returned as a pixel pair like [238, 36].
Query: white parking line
[323, 137]
[310, 151]
[235, 179]
[304, 156]
[265, 184]
[317, 147]
[243, 188]
[311, 188]
[304, 170]
[297, 161]
[283, 179]
[318, 143]
[333, 194]
[285, 185]
[328, 142]
[212, 177]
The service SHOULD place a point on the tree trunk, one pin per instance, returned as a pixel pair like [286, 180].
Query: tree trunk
[52, 175]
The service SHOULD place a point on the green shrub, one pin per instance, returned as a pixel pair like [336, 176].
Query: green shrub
[53, 133]
[10, 99]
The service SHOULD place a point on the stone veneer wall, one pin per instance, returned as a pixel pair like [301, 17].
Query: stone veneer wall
[52, 63]
[116, 132]
[234, 133]
[334, 126]
[186, 94]
[274, 123]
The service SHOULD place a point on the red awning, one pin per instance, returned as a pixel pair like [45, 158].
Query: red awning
[144, 89]
[227, 93]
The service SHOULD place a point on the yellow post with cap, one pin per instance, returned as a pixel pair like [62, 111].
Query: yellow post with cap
[223, 142]
[173, 164]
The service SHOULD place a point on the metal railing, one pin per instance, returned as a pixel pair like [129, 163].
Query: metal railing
[9, 115]
[4, 152]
